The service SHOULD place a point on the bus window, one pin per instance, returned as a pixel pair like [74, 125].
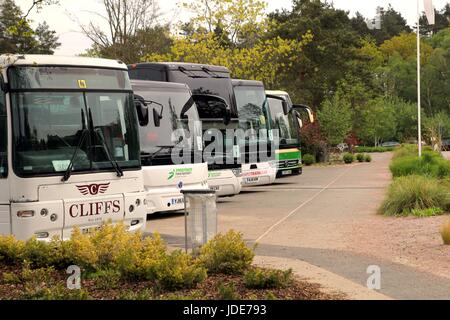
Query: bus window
[3, 136]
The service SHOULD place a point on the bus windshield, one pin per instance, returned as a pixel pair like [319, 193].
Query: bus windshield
[53, 126]
[179, 113]
[252, 109]
[285, 124]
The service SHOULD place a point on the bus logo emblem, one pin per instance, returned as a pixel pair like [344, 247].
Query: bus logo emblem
[93, 189]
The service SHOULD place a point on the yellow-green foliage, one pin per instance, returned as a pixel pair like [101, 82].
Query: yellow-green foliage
[55, 292]
[268, 279]
[445, 233]
[107, 255]
[177, 270]
[11, 250]
[227, 254]
[264, 61]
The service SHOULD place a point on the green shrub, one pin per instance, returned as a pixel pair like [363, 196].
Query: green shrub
[178, 271]
[445, 233]
[227, 254]
[430, 212]
[414, 193]
[368, 158]
[54, 292]
[373, 149]
[349, 158]
[268, 279]
[143, 295]
[152, 254]
[106, 279]
[42, 254]
[431, 164]
[11, 278]
[228, 292]
[11, 250]
[360, 157]
[309, 159]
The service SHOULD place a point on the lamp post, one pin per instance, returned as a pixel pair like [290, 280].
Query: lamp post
[419, 106]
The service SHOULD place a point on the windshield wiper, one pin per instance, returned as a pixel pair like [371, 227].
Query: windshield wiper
[69, 169]
[113, 161]
[190, 74]
[213, 74]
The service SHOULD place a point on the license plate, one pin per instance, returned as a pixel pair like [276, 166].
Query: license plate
[90, 230]
[215, 188]
[251, 180]
[177, 201]
[285, 173]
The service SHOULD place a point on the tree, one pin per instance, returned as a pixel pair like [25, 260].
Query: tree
[335, 118]
[265, 61]
[324, 61]
[17, 36]
[392, 24]
[442, 22]
[126, 20]
[379, 123]
[47, 39]
[241, 22]
[153, 39]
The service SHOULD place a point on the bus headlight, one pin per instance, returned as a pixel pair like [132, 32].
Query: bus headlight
[53, 217]
[131, 209]
[25, 213]
[44, 212]
[138, 202]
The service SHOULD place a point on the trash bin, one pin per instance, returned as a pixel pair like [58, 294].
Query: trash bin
[200, 214]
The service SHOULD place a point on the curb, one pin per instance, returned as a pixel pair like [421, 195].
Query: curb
[330, 283]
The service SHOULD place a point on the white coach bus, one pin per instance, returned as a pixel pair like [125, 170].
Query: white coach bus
[171, 162]
[69, 147]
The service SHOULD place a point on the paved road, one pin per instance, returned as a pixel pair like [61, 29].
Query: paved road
[308, 218]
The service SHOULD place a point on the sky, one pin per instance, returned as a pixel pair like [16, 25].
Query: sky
[66, 17]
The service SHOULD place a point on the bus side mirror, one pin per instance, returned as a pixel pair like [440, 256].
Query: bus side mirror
[302, 107]
[227, 117]
[157, 118]
[297, 115]
[285, 107]
[141, 109]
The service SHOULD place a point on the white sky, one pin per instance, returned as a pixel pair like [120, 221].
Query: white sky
[63, 17]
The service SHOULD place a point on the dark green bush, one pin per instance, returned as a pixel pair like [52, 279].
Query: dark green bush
[368, 158]
[348, 158]
[227, 292]
[360, 157]
[309, 159]
[431, 164]
[268, 279]
[412, 193]
[373, 149]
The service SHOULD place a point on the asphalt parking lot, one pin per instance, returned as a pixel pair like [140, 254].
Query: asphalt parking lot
[308, 218]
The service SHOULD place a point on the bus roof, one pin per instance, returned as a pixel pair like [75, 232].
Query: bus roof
[249, 83]
[277, 93]
[159, 85]
[48, 60]
[177, 65]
